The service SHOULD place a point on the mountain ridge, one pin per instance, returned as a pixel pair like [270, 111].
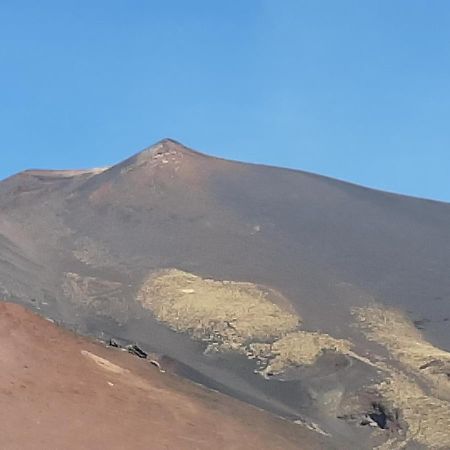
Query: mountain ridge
[166, 145]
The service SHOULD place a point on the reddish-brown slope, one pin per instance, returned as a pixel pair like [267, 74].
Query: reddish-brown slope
[54, 394]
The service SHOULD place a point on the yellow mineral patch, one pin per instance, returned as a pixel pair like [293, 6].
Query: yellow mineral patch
[239, 316]
[226, 312]
[298, 348]
[428, 418]
[416, 376]
[407, 344]
[259, 322]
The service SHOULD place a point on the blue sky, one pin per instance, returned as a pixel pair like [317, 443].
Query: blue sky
[358, 90]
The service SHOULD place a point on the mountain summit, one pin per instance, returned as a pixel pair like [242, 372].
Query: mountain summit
[166, 149]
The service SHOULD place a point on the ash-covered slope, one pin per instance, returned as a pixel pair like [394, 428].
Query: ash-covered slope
[114, 252]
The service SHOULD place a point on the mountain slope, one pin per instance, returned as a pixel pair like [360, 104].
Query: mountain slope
[96, 249]
[62, 391]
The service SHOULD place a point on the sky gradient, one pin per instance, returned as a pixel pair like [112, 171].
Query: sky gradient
[356, 90]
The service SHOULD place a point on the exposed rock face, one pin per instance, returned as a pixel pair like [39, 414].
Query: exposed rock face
[326, 282]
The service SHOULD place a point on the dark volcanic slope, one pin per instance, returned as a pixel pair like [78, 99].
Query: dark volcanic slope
[79, 246]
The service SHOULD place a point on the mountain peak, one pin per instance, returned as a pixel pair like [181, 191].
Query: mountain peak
[164, 153]
[164, 147]
[169, 141]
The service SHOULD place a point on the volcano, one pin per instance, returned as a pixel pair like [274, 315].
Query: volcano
[319, 301]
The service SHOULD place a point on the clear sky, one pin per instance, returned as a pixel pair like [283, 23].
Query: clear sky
[358, 90]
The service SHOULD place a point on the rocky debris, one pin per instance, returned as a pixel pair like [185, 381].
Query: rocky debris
[311, 426]
[132, 348]
[137, 351]
[378, 415]
[295, 349]
[157, 364]
[437, 367]
[367, 420]
[384, 419]
[434, 362]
